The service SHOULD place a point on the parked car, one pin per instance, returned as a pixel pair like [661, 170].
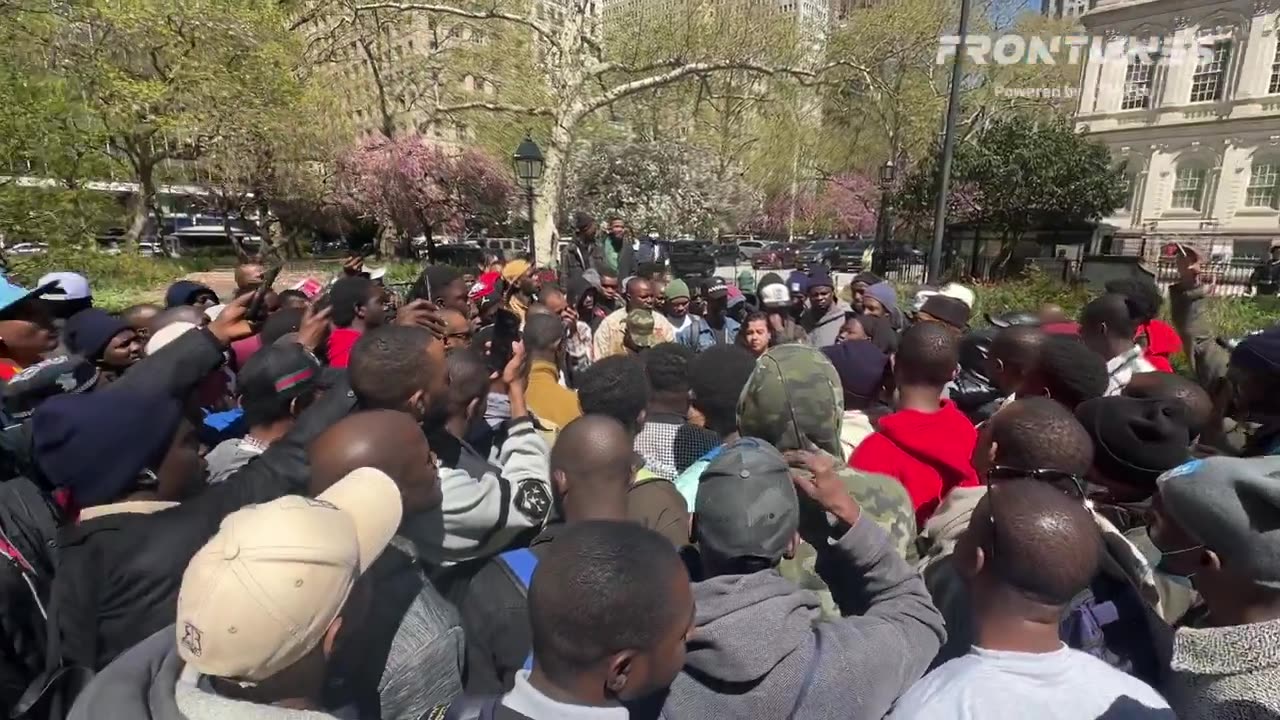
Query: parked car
[691, 258]
[748, 249]
[28, 248]
[459, 256]
[847, 256]
[815, 252]
[508, 248]
[775, 256]
[725, 253]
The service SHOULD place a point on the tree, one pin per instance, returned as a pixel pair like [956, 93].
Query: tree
[418, 188]
[667, 187]
[846, 204]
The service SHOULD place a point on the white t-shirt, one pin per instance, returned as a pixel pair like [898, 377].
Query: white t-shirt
[1062, 685]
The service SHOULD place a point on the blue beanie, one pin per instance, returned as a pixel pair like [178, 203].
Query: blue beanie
[861, 366]
[798, 282]
[88, 332]
[180, 292]
[820, 276]
[1259, 352]
[96, 445]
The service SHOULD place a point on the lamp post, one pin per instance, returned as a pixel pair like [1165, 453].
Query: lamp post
[884, 225]
[528, 166]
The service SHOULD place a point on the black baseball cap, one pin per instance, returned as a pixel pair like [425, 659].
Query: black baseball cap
[747, 505]
[282, 371]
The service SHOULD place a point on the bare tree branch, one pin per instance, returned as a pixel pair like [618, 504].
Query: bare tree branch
[491, 14]
[496, 107]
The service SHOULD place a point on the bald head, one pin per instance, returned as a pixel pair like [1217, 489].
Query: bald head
[592, 466]
[248, 276]
[181, 313]
[457, 329]
[387, 440]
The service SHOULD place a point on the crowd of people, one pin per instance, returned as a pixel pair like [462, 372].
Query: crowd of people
[613, 494]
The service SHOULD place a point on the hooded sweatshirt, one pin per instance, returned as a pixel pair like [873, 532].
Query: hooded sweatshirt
[929, 453]
[759, 649]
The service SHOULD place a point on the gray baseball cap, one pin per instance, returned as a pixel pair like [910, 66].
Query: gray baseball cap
[746, 505]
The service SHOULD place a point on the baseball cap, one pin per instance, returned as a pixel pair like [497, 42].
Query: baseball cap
[747, 505]
[514, 270]
[263, 591]
[166, 335]
[11, 294]
[284, 370]
[69, 286]
[775, 296]
[947, 309]
[640, 324]
[68, 374]
[484, 286]
[717, 288]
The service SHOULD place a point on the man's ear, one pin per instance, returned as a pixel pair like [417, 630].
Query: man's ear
[559, 483]
[621, 666]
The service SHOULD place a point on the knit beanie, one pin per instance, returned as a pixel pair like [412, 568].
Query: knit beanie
[677, 289]
[181, 292]
[1259, 352]
[798, 282]
[747, 281]
[819, 276]
[860, 365]
[88, 332]
[97, 445]
[1135, 440]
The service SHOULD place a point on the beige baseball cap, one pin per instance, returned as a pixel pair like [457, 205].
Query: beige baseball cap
[263, 591]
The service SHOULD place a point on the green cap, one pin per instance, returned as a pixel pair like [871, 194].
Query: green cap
[640, 326]
[747, 281]
[677, 289]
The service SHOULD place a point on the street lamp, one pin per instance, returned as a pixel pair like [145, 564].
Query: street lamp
[528, 165]
[884, 226]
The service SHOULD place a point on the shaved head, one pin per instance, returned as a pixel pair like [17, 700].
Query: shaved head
[387, 440]
[592, 466]
[181, 313]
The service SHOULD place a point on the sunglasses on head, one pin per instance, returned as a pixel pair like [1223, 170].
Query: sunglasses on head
[1072, 485]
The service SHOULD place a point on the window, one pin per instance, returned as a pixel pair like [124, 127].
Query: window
[1264, 186]
[1275, 72]
[1188, 188]
[1209, 79]
[1139, 79]
[1130, 189]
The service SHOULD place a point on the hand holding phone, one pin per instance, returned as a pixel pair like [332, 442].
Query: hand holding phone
[506, 332]
[257, 311]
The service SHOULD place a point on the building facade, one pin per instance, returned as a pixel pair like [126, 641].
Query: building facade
[1195, 116]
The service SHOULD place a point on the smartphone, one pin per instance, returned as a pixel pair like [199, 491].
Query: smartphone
[257, 311]
[506, 330]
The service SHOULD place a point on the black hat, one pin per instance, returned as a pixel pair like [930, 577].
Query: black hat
[1136, 440]
[947, 309]
[582, 221]
[717, 287]
[69, 374]
[283, 371]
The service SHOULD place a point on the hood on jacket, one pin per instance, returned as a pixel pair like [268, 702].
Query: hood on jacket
[181, 291]
[746, 624]
[793, 393]
[139, 684]
[943, 440]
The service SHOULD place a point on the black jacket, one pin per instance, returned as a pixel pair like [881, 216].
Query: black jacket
[28, 523]
[118, 575]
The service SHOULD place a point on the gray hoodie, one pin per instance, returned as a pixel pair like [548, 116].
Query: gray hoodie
[826, 331]
[756, 639]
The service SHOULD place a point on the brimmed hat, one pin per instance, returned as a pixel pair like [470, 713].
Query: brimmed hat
[640, 328]
[1135, 440]
[747, 505]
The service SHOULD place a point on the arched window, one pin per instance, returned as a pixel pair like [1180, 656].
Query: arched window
[1189, 186]
[1264, 185]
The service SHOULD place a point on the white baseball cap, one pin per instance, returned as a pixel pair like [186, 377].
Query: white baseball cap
[959, 292]
[166, 335]
[263, 592]
[70, 286]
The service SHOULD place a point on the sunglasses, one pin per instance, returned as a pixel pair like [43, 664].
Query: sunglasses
[1069, 483]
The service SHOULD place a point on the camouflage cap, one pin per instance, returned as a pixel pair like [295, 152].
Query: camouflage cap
[640, 327]
[793, 395]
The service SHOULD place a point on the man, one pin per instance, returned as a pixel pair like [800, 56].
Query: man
[1067, 371]
[610, 609]
[457, 330]
[248, 276]
[579, 351]
[443, 286]
[611, 298]
[946, 310]
[775, 301]
[619, 388]
[1196, 404]
[609, 337]
[583, 253]
[273, 388]
[103, 339]
[1015, 353]
[639, 333]
[1212, 526]
[292, 299]
[1107, 328]
[548, 399]
[825, 315]
[1266, 276]
[521, 285]
[863, 370]
[927, 444]
[403, 368]
[619, 252]
[669, 443]
[190, 292]
[591, 471]
[407, 657]
[26, 328]
[762, 649]
[691, 331]
[139, 317]
[798, 286]
[858, 288]
[716, 379]
[1159, 340]
[724, 329]
[1027, 553]
[792, 401]
[1135, 441]
[230, 654]
[68, 294]
[357, 308]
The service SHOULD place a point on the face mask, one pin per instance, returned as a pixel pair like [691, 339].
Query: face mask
[1163, 565]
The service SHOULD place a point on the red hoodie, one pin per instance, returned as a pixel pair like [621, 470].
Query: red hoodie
[1162, 344]
[929, 453]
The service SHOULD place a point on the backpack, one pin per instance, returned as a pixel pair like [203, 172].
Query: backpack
[1109, 621]
[520, 564]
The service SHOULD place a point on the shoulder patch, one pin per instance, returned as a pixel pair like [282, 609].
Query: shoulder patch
[533, 501]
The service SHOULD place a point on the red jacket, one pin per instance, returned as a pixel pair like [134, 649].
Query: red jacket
[341, 340]
[929, 453]
[1162, 343]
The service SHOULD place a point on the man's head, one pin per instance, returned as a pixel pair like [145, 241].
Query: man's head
[638, 330]
[356, 300]
[1174, 388]
[1067, 371]
[610, 607]
[1136, 441]
[398, 367]
[26, 327]
[617, 387]
[609, 287]
[68, 293]
[261, 605]
[821, 289]
[617, 228]
[1275, 252]
[544, 337]
[248, 276]
[677, 299]
[717, 376]
[189, 292]
[389, 441]
[557, 301]
[443, 286]
[667, 367]
[640, 294]
[1033, 434]
[180, 314]
[294, 300]
[102, 338]
[457, 329]
[584, 227]
[1254, 374]
[928, 356]
[468, 374]
[1015, 351]
[748, 514]
[1028, 550]
[946, 310]
[276, 384]
[520, 277]
[1107, 325]
[1214, 522]
[139, 317]
[591, 468]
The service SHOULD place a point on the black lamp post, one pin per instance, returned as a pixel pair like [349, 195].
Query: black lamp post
[884, 225]
[528, 165]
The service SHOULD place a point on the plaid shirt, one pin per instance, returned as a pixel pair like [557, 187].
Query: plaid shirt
[1123, 367]
[669, 444]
